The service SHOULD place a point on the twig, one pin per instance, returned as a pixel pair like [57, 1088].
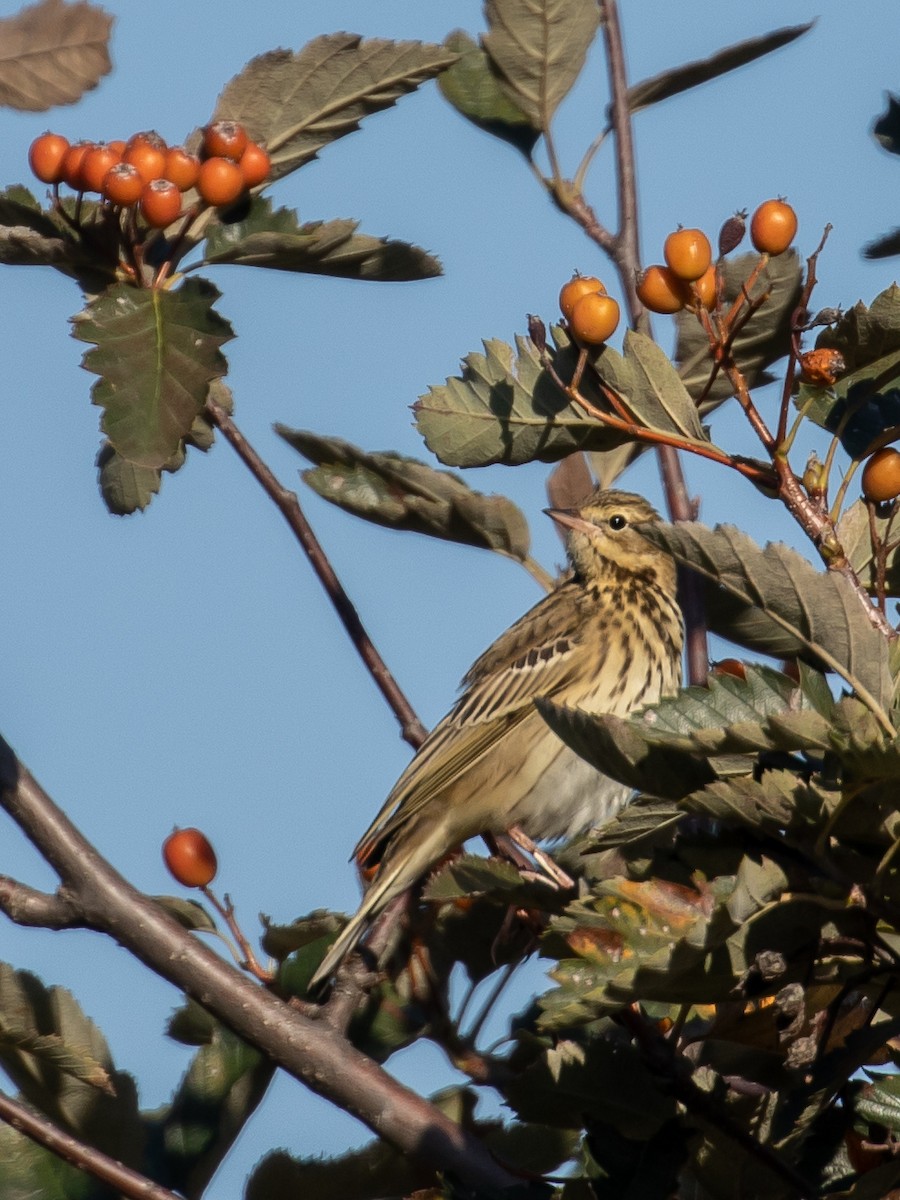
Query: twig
[411, 728]
[94, 1162]
[26, 906]
[307, 1050]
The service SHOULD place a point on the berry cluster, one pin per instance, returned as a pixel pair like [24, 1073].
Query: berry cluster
[688, 278]
[146, 173]
[591, 315]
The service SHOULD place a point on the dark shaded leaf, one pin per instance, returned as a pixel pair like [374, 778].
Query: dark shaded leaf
[763, 340]
[854, 534]
[643, 817]
[403, 493]
[281, 940]
[776, 801]
[702, 70]
[539, 49]
[470, 875]
[28, 1171]
[156, 353]
[886, 129]
[275, 239]
[820, 609]
[52, 53]
[885, 246]
[853, 409]
[471, 86]
[297, 103]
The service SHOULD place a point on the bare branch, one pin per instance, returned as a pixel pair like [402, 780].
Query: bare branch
[26, 906]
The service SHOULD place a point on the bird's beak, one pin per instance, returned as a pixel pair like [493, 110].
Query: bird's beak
[570, 518]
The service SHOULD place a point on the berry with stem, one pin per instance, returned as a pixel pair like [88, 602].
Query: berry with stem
[773, 227]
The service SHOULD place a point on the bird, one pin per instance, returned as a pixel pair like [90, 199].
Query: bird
[607, 639]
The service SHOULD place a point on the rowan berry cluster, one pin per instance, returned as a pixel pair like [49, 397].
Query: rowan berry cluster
[592, 316]
[147, 174]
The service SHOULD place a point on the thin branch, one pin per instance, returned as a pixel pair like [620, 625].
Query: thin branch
[307, 1050]
[27, 906]
[94, 1162]
[411, 728]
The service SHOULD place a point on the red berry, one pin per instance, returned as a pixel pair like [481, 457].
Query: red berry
[255, 165]
[225, 139]
[594, 319]
[72, 163]
[881, 476]
[147, 152]
[220, 181]
[122, 184]
[181, 168]
[97, 162]
[190, 857]
[160, 203]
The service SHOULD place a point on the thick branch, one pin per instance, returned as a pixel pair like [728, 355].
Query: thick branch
[308, 1050]
[411, 729]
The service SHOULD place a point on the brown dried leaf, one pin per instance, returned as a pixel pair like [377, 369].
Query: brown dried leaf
[52, 53]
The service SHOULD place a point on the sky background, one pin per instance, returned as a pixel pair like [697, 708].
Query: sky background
[183, 666]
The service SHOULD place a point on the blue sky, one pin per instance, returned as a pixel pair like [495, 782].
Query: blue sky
[182, 666]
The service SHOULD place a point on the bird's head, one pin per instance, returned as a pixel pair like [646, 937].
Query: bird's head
[601, 532]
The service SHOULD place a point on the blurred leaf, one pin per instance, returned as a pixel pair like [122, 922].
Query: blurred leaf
[886, 129]
[279, 941]
[819, 608]
[27, 236]
[191, 1025]
[29, 1172]
[539, 48]
[762, 341]
[854, 535]
[189, 914]
[156, 353]
[470, 875]
[603, 1079]
[702, 70]
[52, 54]
[297, 103]
[885, 246]
[274, 238]
[403, 493]
[471, 86]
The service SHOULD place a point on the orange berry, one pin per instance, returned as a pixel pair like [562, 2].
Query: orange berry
[45, 157]
[118, 145]
[72, 163]
[822, 367]
[225, 139]
[688, 253]
[705, 287]
[96, 163]
[190, 857]
[660, 290]
[881, 476]
[773, 227]
[160, 203]
[181, 168]
[255, 165]
[578, 286]
[147, 152]
[122, 184]
[220, 181]
[595, 318]
[730, 666]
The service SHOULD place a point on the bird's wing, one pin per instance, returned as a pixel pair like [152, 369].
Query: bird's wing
[534, 657]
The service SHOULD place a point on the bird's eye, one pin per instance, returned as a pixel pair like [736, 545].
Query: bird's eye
[617, 522]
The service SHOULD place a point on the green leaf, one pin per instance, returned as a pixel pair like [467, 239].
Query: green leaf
[156, 354]
[821, 609]
[297, 103]
[403, 493]
[865, 335]
[539, 48]
[702, 70]
[281, 940]
[471, 875]
[658, 397]
[189, 914]
[472, 87]
[506, 408]
[853, 531]
[52, 54]
[762, 341]
[776, 802]
[275, 239]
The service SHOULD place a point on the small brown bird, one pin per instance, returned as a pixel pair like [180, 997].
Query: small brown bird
[607, 640]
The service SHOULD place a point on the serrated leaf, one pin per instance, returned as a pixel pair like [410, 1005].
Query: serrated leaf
[657, 397]
[403, 493]
[821, 609]
[472, 87]
[505, 408]
[775, 802]
[52, 54]
[762, 341]
[854, 411]
[275, 239]
[692, 74]
[853, 531]
[539, 48]
[470, 875]
[156, 354]
[296, 103]
[643, 817]
[866, 334]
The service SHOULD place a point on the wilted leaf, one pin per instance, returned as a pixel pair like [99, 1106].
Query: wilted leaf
[275, 239]
[403, 493]
[819, 608]
[853, 530]
[471, 86]
[156, 354]
[692, 74]
[886, 129]
[539, 48]
[297, 103]
[762, 341]
[52, 53]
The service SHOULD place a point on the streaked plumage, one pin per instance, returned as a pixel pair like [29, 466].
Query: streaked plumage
[608, 640]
